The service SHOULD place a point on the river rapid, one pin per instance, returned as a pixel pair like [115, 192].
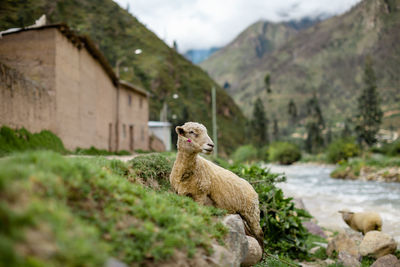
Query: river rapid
[324, 196]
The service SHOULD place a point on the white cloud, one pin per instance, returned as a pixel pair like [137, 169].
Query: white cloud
[206, 23]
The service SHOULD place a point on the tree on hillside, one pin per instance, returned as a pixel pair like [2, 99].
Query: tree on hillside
[346, 132]
[275, 131]
[267, 82]
[292, 111]
[329, 136]
[175, 45]
[369, 113]
[314, 125]
[259, 124]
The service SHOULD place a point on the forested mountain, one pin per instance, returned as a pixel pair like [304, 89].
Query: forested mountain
[325, 60]
[159, 69]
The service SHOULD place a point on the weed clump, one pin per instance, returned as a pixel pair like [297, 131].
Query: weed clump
[22, 140]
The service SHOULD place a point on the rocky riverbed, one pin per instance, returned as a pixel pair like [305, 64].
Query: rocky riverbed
[324, 196]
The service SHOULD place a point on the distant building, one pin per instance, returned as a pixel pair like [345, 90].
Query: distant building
[133, 114]
[162, 131]
[51, 78]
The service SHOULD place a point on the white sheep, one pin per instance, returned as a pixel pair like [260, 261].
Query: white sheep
[362, 221]
[210, 184]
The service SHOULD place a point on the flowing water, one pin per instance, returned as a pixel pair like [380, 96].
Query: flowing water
[324, 196]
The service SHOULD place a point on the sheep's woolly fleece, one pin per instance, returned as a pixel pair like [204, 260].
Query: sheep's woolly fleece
[208, 183]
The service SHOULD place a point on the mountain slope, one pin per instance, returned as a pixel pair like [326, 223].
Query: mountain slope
[159, 69]
[250, 46]
[326, 59]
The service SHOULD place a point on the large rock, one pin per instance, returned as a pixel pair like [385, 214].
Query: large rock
[112, 262]
[254, 252]
[314, 229]
[156, 144]
[222, 257]
[343, 243]
[387, 261]
[377, 244]
[348, 260]
[236, 240]
[298, 203]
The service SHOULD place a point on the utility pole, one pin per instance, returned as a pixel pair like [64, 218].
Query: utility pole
[214, 120]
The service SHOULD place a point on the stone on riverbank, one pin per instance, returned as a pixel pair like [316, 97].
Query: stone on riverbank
[377, 244]
[343, 243]
[314, 229]
[236, 240]
[254, 252]
[387, 261]
[348, 260]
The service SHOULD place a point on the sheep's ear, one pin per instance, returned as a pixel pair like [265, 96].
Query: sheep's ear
[179, 130]
[346, 212]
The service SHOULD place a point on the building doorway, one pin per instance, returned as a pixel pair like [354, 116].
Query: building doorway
[109, 137]
[131, 138]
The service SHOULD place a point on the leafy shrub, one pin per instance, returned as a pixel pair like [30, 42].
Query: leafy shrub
[152, 168]
[92, 151]
[284, 153]
[263, 153]
[247, 153]
[342, 150]
[75, 206]
[284, 233]
[393, 149]
[22, 140]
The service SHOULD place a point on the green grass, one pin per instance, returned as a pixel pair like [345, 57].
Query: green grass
[276, 261]
[151, 170]
[58, 211]
[320, 254]
[367, 261]
[22, 140]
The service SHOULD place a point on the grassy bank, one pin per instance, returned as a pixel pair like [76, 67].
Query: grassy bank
[18, 140]
[378, 165]
[81, 211]
[22, 140]
[60, 211]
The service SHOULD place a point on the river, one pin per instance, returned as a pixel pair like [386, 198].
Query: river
[324, 196]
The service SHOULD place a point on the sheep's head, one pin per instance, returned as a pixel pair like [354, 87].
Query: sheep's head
[193, 138]
[347, 215]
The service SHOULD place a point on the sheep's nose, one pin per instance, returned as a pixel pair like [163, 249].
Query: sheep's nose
[211, 145]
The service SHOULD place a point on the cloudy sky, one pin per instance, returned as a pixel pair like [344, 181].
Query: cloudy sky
[205, 23]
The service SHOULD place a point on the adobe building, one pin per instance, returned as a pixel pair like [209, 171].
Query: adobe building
[51, 78]
[133, 114]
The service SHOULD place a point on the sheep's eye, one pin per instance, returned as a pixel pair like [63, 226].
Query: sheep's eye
[191, 132]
